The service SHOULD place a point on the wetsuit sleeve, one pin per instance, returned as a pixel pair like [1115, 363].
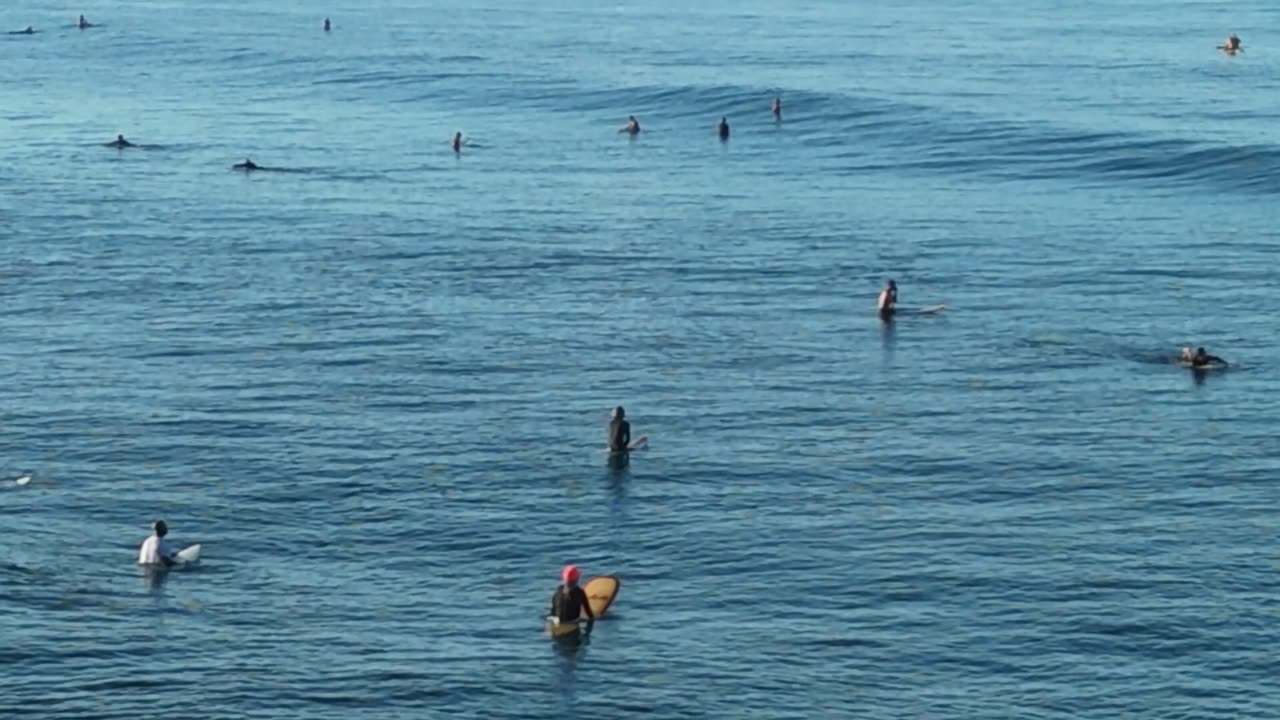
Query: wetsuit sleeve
[586, 605]
[626, 439]
[554, 609]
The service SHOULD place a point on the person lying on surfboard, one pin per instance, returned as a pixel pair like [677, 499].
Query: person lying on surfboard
[569, 601]
[888, 299]
[155, 550]
[619, 431]
[1201, 358]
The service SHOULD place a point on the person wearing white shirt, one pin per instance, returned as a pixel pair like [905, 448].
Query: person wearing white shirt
[155, 550]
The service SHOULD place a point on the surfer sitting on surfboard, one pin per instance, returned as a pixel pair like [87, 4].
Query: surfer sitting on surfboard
[155, 550]
[619, 431]
[888, 300]
[569, 601]
[1232, 46]
[1201, 358]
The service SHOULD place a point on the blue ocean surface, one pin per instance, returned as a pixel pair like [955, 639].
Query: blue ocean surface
[373, 383]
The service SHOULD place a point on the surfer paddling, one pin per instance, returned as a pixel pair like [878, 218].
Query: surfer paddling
[1232, 45]
[120, 143]
[1201, 359]
[247, 165]
[155, 550]
[569, 601]
[888, 301]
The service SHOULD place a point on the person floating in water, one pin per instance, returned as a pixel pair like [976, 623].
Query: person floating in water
[155, 549]
[888, 302]
[29, 31]
[619, 431]
[569, 601]
[327, 25]
[1200, 358]
[777, 107]
[82, 23]
[632, 127]
[120, 142]
[1232, 46]
[458, 142]
[724, 128]
[246, 165]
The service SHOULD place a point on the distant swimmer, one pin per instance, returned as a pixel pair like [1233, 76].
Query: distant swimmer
[120, 142]
[724, 129]
[1201, 359]
[155, 549]
[619, 431]
[569, 601]
[458, 142]
[632, 127]
[327, 26]
[888, 301]
[777, 107]
[246, 165]
[82, 24]
[1232, 46]
[29, 31]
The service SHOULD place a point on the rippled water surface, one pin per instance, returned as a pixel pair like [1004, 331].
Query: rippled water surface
[373, 384]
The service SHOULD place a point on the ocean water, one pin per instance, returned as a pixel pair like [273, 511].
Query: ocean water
[373, 386]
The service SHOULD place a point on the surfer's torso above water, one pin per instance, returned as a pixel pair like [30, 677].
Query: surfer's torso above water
[155, 550]
[569, 601]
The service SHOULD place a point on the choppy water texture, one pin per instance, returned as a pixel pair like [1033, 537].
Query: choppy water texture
[375, 388]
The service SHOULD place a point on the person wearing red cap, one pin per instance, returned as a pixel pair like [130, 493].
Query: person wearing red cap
[569, 601]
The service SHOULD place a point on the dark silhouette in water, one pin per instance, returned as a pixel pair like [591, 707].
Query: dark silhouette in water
[247, 165]
[1232, 46]
[327, 26]
[777, 108]
[120, 143]
[724, 129]
[29, 31]
[82, 23]
[457, 142]
[632, 127]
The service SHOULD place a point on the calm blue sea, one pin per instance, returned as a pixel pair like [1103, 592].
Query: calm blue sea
[374, 385]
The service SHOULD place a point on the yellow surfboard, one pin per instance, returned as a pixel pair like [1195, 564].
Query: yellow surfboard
[601, 592]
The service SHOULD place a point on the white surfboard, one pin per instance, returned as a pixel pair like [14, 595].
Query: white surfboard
[187, 555]
[637, 444]
[930, 310]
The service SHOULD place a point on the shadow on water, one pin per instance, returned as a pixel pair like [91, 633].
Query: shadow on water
[617, 477]
[569, 650]
[888, 336]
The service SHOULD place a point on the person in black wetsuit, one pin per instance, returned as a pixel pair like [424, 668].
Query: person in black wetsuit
[120, 142]
[569, 601]
[327, 26]
[777, 107]
[246, 165]
[632, 127]
[724, 128]
[1203, 359]
[888, 302]
[619, 431]
[29, 31]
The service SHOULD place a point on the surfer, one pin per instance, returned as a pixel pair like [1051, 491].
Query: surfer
[29, 31]
[1201, 359]
[632, 127]
[247, 165]
[154, 550]
[1232, 46]
[569, 601]
[82, 24]
[457, 142]
[724, 129]
[120, 142]
[888, 301]
[619, 431]
[327, 26]
[777, 108]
